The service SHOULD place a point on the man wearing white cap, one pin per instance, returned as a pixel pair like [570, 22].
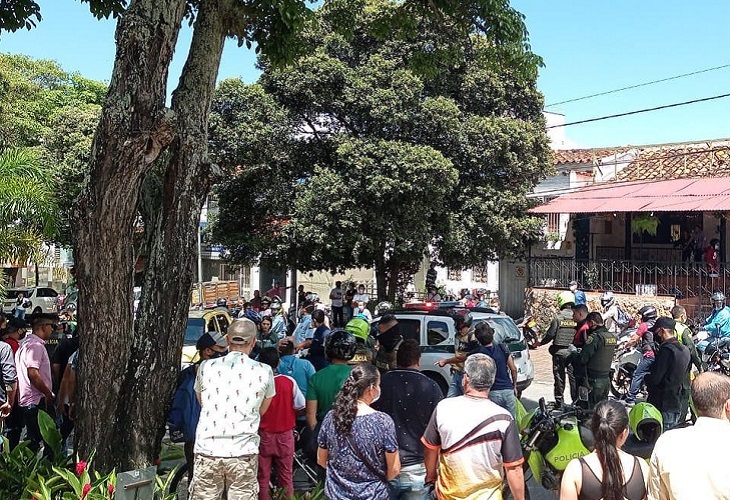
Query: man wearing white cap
[234, 391]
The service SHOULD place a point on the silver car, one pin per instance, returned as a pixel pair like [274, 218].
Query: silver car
[436, 332]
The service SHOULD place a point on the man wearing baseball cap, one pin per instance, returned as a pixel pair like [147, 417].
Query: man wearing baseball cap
[664, 381]
[233, 391]
[185, 410]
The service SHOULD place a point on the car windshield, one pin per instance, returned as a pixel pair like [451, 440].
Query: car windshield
[194, 330]
[13, 294]
[504, 329]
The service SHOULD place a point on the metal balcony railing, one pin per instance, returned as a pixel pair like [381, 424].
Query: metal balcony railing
[677, 279]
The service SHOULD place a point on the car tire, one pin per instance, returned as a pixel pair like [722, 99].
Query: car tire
[37, 310]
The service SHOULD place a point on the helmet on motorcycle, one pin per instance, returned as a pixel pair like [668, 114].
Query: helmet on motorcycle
[647, 313]
[253, 316]
[565, 298]
[607, 299]
[463, 319]
[359, 327]
[266, 301]
[221, 302]
[383, 307]
[340, 344]
[718, 300]
[645, 421]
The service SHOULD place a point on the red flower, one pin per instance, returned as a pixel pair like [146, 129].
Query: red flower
[110, 489]
[80, 467]
[86, 490]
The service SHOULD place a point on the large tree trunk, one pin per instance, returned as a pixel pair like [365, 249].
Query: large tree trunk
[155, 360]
[133, 129]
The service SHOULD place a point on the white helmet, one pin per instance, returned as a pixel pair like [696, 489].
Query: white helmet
[607, 299]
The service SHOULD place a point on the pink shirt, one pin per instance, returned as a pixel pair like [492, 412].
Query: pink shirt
[32, 354]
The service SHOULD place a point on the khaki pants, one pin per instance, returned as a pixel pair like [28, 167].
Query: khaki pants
[236, 475]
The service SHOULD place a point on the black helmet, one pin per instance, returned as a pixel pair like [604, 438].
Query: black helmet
[647, 313]
[463, 319]
[340, 344]
[221, 302]
[383, 307]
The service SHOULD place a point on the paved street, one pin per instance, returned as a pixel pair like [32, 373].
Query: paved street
[542, 386]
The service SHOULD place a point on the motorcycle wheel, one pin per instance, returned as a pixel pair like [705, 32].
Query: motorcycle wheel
[620, 383]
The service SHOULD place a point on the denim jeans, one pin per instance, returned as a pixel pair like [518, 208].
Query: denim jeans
[455, 388]
[642, 370]
[670, 419]
[409, 484]
[504, 398]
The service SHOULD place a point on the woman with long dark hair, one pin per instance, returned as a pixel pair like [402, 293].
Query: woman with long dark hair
[607, 473]
[358, 445]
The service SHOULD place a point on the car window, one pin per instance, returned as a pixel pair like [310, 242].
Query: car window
[504, 328]
[13, 294]
[47, 292]
[194, 330]
[212, 325]
[437, 332]
[410, 329]
[40, 292]
[222, 324]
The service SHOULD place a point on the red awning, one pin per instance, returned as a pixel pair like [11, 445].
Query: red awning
[676, 195]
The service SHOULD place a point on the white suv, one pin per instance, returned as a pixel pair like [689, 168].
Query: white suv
[436, 332]
[42, 300]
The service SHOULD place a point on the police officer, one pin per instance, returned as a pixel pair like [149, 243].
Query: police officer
[596, 355]
[560, 333]
[389, 340]
[684, 335]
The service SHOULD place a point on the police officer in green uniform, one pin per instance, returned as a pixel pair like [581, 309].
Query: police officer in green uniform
[596, 355]
[561, 333]
[684, 335]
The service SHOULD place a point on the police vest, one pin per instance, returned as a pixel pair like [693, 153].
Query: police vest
[566, 330]
[386, 360]
[363, 354]
[600, 362]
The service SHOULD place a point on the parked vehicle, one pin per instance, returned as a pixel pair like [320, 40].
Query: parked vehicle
[41, 299]
[715, 353]
[554, 434]
[200, 322]
[214, 290]
[435, 330]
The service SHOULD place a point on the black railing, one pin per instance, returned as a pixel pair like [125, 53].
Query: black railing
[676, 279]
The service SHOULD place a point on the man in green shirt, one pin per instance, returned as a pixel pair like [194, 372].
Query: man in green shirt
[326, 383]
[684, 335]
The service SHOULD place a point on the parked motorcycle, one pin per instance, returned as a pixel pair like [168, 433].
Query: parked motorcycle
[531, 331]
[552, 435]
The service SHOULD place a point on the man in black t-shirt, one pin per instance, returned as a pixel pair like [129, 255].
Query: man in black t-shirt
[66, 347]
[409, 397]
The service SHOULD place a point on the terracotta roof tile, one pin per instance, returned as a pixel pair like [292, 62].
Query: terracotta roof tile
[582, 156]
[710, 159]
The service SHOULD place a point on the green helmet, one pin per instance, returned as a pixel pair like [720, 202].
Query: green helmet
[565, 297]
[359, 327]
[645, 422]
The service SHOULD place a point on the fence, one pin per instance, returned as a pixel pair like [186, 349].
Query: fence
[681, 280]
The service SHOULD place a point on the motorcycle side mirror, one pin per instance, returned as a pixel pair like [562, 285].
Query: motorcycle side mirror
[582, 393]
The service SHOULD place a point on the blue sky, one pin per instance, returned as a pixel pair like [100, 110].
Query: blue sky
[588, 46]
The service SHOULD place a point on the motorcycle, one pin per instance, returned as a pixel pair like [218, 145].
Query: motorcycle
[715, 353]
[531, 331]
[552, 435]
[625, 361]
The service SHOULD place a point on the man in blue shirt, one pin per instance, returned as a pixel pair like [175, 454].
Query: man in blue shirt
[580, 296]
[185, 410]
[299, 369]
[504, 389]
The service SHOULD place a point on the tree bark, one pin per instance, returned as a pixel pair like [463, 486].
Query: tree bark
[134, 128]
[155, 358]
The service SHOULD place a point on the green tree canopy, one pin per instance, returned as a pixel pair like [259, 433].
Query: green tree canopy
[387, 156]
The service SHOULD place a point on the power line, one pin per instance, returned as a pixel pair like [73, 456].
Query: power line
[676, 77]
[636, 112]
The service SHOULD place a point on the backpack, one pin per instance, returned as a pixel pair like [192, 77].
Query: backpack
[622, 318]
